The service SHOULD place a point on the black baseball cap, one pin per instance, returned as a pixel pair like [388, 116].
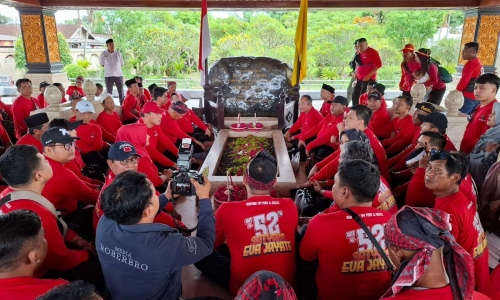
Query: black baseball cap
[379, 87]
[375, 96]
[438, 119]
[341, 99]
[121, 151]
[44, 84]
[425, 106]
[57, 135]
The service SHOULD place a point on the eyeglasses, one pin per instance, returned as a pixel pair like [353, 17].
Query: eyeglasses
[134, 160]
[444, 155]
[66, 146]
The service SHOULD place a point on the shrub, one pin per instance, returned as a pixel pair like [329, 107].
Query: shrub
[74, 70]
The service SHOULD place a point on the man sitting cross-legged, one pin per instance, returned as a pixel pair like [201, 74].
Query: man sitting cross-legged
[142, 259]
[23, 250]
[26, 171]
[259, 232]
[401, 127]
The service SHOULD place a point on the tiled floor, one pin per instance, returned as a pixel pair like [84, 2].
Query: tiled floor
[194, 284]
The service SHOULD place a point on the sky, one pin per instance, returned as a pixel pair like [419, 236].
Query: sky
[63, 15]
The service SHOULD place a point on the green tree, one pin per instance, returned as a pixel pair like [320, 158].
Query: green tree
[446, 51]
[19, 55]
[5, 20]
[412, 27]
[64, 49]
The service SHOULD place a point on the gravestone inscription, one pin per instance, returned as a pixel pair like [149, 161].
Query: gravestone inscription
[250, 84]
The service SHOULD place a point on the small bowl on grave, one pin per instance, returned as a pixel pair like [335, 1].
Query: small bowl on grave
[239, 126]
[255, 128]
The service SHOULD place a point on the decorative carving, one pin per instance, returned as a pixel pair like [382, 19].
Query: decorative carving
[89, 89]
[453, 102]
[489, 29]
[52, 41]
[468, 34]
[418, 92]
[53, 97]
[34, 46]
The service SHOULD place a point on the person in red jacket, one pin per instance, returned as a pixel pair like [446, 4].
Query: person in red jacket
[349, 267]
[137, 135]
[151, 116]
[22, 106]
[363, 99]
[485, 91]
[380, 117]
[37, 125]
[259, 231]
[25, 249]
[408, 67]
[402, 127]
[367, 71]
[131, 111]
[108, 119]
[40, 100]
[192, 124]
[443, 176]
[431, 264]
[308, 118]
[76, 89]
[321, 134]
[470, 72]
[25, 170]
[90, 143]
[327, 95]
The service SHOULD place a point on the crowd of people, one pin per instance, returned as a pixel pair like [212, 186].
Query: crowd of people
[390, 209]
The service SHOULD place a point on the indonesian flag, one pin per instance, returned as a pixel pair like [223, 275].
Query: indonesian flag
[205, 43]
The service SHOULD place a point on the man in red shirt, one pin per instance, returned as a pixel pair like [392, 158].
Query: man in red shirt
[65, 189]
[443, 177]
[131, 111]
[191, 124]
[350, 267]
[485, 91]
[40, 100]
[172, 87]
[25, 170]
[108, 119]
[76, 89]
[380, 117]
[437, 122]
[402, 127]
[327, 95]
[24, 249]
[37, 125]
[308, 118]
[470, 72]
[98, 89]
[259, 232]
[146, 92]
[151, 116]
[22, 106]
[320, 135]
[367, 71]
[363, 99]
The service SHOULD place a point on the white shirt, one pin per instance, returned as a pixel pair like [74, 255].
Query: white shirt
[112, 62]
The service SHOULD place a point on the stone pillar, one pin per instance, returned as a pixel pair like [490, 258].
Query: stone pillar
[89, 89]
[41, 46]
[456, 120]
[483, 26]
[53, 97]
[418, 92]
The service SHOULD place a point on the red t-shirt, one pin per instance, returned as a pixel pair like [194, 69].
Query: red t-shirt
[325, 108]
[90, 138]
[492, 289]
[59, 256]
[305, 122]
[379, 152]
[350, 267]
[21, 109]
[156, 138]
[323, 131]
[28, 139]
[65, 189]
[26, 288]
[476, 127]
[106, 135]
[379, 120]
[6, 108]
[146, 95]
[468, 232]
[40, 101]
[109, 122]
[260, 234]
[472, 69]
[130, 102]
[71, 89]
[171, 128]
[443, 293]
[402, 129]
[370, 59]
[407, 78]
[187, 121]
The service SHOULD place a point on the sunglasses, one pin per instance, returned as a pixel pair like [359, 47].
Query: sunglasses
[444, 155]
[66, 146]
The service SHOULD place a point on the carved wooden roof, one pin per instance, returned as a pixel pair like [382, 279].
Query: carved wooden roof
[250, 4]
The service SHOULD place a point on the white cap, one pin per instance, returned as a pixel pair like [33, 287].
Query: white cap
[185, 95]
[85, 106]
[103, 97]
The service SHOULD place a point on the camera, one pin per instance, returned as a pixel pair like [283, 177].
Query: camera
[181, 183]
[185, 154]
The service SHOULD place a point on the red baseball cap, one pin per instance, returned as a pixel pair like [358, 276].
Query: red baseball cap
[152, 107]
[408, 48]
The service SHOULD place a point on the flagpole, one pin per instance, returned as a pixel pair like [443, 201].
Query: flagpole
[206, 70]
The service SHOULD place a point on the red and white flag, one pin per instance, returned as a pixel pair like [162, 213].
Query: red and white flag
[205, 43]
